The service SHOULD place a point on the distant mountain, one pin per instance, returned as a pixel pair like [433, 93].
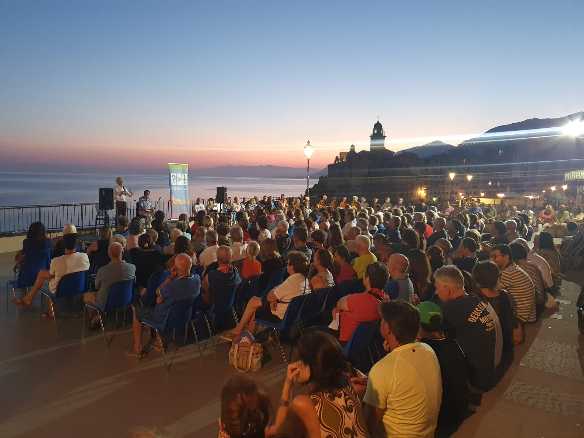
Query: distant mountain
[430, 149]
[266, 171]
[536, 123]
[527, 141]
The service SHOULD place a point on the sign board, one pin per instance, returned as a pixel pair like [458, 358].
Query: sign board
[179, 189]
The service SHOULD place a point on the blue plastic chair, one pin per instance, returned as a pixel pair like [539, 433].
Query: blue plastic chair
[247, 289]
[178, 317]
[26, 276]
[222, 309]
[282, 328]
[71, 285]
[365, 347]
[154, 282]
[271, 282]
[120, 297]
[314, 310]
[349, 287]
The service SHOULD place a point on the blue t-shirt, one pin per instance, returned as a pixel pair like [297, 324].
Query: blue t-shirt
[177, 290]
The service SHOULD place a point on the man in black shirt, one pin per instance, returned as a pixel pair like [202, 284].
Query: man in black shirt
[455, 392]
[486, 275]
[473, 323]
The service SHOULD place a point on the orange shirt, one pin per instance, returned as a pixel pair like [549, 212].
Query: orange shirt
[250, 268]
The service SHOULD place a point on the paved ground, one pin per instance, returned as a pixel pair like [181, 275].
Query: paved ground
[55, 385]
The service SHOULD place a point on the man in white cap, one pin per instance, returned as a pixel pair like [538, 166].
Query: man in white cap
[59, 248]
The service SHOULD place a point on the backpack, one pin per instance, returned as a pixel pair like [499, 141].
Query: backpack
[245, 353]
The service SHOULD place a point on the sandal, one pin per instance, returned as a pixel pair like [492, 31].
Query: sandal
[228, 336]
[22, 303]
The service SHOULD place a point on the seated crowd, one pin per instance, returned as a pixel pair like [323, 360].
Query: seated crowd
[451, 292]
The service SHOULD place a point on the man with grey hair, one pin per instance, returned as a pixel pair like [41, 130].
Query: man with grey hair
[209, 254]
[364, 255]
[221, 282]
[283, 240]
[180, 286]
[115, 271]
[473, 323]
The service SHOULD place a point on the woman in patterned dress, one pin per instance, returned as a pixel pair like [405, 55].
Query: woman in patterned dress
[330, 409]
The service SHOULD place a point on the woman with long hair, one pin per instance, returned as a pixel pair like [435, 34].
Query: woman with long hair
[245, 409]
[335, 236]
[34, 256]
[331, 408]
[421, 274]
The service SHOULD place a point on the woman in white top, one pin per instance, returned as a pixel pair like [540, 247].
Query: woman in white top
[274, 305]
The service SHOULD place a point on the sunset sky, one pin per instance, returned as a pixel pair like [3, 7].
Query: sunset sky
[137, 84]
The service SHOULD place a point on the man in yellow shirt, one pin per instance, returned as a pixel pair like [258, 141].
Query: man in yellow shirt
[404, 389]
[365, 256]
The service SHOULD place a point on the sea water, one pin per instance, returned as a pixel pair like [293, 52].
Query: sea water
[34, 188]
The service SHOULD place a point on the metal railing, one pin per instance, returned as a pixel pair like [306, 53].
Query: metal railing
[15, 220]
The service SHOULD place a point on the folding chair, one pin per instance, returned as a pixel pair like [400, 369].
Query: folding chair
[26, 276]
[120, 296]
[20, 281]
[268, 283]
[222, 310]
[365, 347]
[247, 289]
[69, 286]
[154, 282]
[281, 328]
[349, 287]
[313, 312]
[178, 317]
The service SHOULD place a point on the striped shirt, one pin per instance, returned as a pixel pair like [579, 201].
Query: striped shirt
[534, 273]
[517, 282]
[543, 266]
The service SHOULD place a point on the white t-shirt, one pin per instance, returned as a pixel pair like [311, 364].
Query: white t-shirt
[407, 384]
[264, 234]
[209, 255]
[67, 264]
[238, 251]
[293, 286]
[121, 193]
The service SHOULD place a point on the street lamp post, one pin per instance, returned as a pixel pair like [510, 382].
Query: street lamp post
[469, 179]
[308, 151]
[451, 176]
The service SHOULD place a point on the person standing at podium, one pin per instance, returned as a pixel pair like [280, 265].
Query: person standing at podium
[121, 194]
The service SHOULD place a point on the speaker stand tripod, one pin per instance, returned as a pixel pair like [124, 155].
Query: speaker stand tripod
[102, 220]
